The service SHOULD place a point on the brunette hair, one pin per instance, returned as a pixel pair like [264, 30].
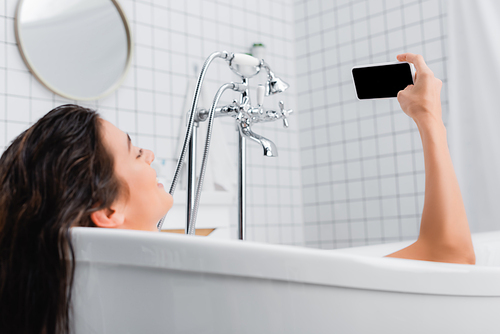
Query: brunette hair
[52, 177]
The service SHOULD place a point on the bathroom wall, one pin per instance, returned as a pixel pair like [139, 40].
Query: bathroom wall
[348, 173]
[361, 161]
[171, 40]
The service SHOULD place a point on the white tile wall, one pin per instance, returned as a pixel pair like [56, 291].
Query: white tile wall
[349, 173]
[362, 162]
[172, 38]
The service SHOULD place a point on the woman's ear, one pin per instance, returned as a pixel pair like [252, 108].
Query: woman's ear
[108, 218]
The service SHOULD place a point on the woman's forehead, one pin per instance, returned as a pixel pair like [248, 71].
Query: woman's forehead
[114, 137]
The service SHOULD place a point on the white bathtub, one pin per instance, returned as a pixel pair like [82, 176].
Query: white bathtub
[144, 282]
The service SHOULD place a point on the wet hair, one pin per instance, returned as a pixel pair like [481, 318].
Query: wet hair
[52, 177]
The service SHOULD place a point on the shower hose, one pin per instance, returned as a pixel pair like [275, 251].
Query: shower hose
[189, 131]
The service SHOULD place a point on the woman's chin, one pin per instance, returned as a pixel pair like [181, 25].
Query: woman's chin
[170, 200]
[167, 203]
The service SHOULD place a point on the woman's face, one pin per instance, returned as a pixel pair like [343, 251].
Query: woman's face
[147, 201]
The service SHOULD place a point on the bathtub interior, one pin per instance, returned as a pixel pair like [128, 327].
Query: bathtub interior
[486, 247]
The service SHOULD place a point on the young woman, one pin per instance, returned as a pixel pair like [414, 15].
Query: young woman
[73, 168]
[69, 169]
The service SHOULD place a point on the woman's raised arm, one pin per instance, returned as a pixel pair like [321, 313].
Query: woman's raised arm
[444, 229]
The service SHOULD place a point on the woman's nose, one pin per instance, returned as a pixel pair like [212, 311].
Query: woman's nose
[149, 156]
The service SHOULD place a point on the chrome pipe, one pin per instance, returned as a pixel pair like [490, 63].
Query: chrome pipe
[191, 175]
[242, 172]
[242, 185]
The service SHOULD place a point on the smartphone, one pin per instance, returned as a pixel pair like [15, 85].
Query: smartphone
[382, 81]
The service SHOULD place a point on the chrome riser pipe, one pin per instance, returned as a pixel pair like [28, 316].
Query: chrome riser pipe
[242, 185]
[191, 175]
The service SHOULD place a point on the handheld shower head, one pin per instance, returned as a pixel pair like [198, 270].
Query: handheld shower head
[244, 65]
[274, 84]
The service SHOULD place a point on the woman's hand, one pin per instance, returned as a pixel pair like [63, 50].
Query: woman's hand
[421, 101]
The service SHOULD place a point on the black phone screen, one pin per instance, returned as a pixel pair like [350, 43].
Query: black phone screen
[383, 81]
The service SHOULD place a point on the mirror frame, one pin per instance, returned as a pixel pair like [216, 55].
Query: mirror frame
[37, 75]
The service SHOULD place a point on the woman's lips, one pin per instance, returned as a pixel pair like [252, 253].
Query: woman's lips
[158, 183]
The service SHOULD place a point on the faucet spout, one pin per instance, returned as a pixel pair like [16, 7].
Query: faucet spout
[270, 149]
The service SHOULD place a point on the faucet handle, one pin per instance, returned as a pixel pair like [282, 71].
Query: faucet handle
[284, 113]
[261, 92]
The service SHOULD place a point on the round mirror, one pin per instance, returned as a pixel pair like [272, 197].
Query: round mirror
[79, 49]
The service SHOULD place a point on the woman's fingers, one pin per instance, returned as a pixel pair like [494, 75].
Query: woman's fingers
[423, 98]
[402, 94]
[416, 60]
[407, 89]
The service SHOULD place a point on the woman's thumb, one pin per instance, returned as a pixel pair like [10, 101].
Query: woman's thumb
[401, 95]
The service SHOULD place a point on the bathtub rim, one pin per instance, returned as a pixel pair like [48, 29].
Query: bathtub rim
[280, 262]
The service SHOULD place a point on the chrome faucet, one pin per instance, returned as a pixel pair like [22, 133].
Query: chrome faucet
[244, 122]
[248, 115]
[245, 115]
